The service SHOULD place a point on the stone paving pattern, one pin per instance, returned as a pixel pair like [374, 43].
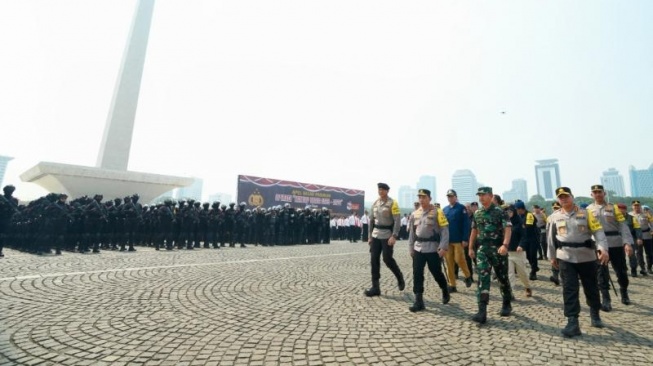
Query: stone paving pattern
[296, 305]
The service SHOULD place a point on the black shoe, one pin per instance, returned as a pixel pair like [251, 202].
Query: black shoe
[633, 273]
[624, 297]
[57, 252]
[595, 319]
[446, 297]
[452, 289]
[643, 273]
[401, 283]
[468, 282]
[506, 308]
[481, 316]
[572, 329]
[418, 305]
[243, 246]
[373, 291]
[532, 276]
[554, 280]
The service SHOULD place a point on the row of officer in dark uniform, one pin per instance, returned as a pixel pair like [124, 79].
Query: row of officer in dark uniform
[90, 224]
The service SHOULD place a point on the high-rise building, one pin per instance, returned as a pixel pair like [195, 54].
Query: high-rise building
[613, 181]
[194, 191]
[547, 176]
[223, 198]
[641, 181]
[407, 196]
[4, 160]
[465, 184]
[428, 182]
[517, 192]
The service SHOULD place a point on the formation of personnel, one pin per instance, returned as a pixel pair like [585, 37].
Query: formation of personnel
[578, 241]
[91, 224]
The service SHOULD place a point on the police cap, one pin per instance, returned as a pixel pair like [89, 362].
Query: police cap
[383, 186]
[561, 191]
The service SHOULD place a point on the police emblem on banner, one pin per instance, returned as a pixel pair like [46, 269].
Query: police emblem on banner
[256, 199]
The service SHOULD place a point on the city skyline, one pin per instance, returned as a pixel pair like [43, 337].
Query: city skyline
[494, 86]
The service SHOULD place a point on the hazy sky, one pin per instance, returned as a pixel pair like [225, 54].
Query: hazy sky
[341, 93]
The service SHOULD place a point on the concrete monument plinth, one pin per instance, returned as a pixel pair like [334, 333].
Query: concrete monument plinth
[77, 181]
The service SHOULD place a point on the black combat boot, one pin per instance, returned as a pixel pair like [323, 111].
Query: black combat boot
[468, 281]
[555, 280]
[595, 318]
[481, 316]
[446, 296]
[401, 284]
[418, 305]
[506, 308]
[572, 328]
[243, 245]
[131, 248]
[606, 305]
[374, 290]
[624, 296]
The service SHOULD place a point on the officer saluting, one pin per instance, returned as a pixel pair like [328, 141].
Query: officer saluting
[384, 232]
[569, 240]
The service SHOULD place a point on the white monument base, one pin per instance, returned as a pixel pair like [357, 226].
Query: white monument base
[77, 181]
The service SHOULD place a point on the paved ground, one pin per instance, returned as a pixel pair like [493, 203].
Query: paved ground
[299, 305]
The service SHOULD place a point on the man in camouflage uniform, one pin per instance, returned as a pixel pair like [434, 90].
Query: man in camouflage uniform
[492, 229]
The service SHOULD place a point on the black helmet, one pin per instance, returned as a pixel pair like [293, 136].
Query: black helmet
[118, 200]
[98, 197]
[223, 207]
[206, 205]
[232, 204]
[9, 189]
[243, 204]
[197, 204]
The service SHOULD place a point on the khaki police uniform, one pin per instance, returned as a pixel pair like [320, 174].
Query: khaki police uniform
[428, 232]
[384, 223]
[617, 235]
[570, 241]
[645, 251]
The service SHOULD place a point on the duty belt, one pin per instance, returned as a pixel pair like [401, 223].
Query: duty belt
[435, 238]
[384, 227]
[612, 233]
[585, 244]
[647, 230]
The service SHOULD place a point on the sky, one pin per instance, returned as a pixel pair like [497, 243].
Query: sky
[340, 93]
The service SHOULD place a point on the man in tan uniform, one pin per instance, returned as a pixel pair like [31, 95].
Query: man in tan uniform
[384, 232]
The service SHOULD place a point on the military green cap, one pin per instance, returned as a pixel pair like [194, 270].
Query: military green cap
[484, 190]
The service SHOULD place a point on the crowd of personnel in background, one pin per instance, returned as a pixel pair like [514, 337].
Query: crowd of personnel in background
[88, 224]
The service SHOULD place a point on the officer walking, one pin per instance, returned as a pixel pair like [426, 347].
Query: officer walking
[570, 242]
[384, 232]
[645, 223]
[492, 229]
[459, 228]
[428, 241]
[620, 243]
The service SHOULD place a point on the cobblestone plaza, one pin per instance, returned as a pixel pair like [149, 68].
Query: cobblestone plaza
[295, 305]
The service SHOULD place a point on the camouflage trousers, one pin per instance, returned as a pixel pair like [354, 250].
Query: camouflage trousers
[488, 258]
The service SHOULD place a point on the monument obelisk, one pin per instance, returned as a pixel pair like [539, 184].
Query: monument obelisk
[110, 177]
[118, 131]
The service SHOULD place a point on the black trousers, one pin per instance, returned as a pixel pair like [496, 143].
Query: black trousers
[366, 228]
[378, 247]
[648, 248]
[618, 260]
[433, 261]
[571, 273]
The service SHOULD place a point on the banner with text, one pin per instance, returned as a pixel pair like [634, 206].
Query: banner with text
[267, 192]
